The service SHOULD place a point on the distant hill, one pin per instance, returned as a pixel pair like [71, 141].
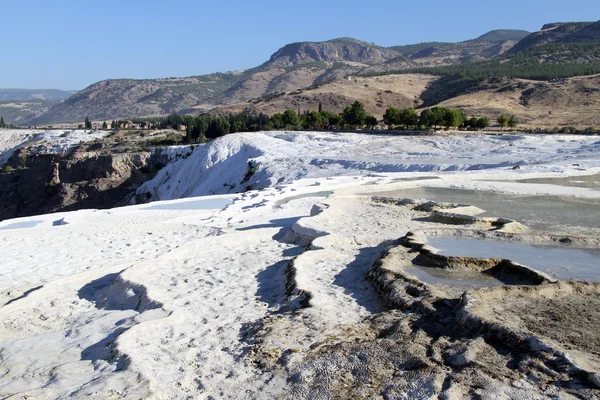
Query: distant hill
[501, 35]
[127, 98]
[301, 66]
[51, 95]
[565, 32]
[21, 112]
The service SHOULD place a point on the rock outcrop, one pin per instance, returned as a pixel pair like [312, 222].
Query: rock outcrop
[45, 183]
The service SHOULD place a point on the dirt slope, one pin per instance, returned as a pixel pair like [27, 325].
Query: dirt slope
[569, 102]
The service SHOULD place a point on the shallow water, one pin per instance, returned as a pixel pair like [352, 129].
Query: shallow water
[560, 262]
[537, 212]
[586, 181]
[197, 204]
[416, 178]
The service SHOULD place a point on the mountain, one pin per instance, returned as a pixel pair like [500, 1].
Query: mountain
[127, 98]
[560, 32]
[51, 95]
[19, 106]
[292, 67]
[20, 112]
[501, 35]
[342, 49]
[302, 66]
[488, 45]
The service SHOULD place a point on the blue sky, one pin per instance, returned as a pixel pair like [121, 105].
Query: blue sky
[72, 44]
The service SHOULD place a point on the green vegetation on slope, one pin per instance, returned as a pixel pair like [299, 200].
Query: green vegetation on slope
[410, 49]
[559, 63]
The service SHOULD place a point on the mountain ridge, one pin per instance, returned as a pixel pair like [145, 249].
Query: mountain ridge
[51, 95]
[293, 67]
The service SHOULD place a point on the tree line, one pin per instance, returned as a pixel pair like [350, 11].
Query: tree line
[205, 127]
[201, 128]
[441, 117]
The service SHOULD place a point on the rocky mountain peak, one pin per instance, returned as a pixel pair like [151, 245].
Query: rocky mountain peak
[341, 49]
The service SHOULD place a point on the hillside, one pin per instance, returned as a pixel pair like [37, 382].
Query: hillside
[19, 106]
[20, 112]
[300, 75]
[50, 95]
[560, 33]
[486, 46]
[376, 93]
[300, 65]
[293, 67]
[126, 98]
[573, 102]
[501, 35]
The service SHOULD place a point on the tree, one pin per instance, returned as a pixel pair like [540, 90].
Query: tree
[189, 131]
[200, 127]
[290, 118]
[512, 121]
[313, 120]
[433, 117]
[354, 115]
[320, 107]
[392, 117]
[2, 124]
[483, 123]
[87, 123]
[277, 121]
[217, 127]
[503, 120]
[104, 126]
[371, 121]
[472, 123]
[237, 126]
[453, 118]
[438, 114]
[408, 117]
[330, 119]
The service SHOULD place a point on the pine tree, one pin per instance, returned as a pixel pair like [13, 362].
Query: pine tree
[354, 115]
[2, 124]
[104, 126]
[87, 123]
[320, 107]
